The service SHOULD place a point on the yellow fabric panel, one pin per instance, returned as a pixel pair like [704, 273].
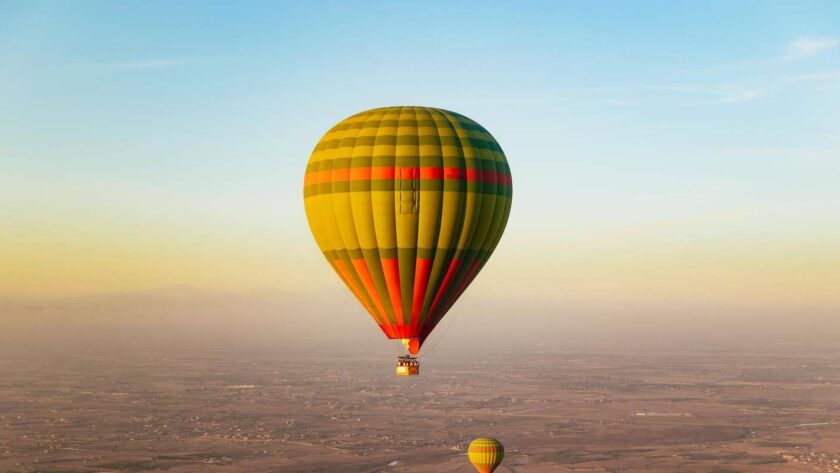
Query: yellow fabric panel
[408, 195]
[341, 200]
[361, 202]
[384, 218]
[501, 209]
[473, 199]
[325, 206]
[488, 208]
[312, 206]
[453, 202]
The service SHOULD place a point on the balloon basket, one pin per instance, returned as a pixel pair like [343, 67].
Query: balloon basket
[408, 365]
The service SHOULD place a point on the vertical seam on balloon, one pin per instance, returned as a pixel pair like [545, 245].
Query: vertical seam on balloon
[477, 256]
[502, 223]
[396, 283]
[406, 288]
[342, 253]
[383, 320]
[378, 297]
[318, 202]
[477, 240]
[386, 297]
[355, 287]
[351, 267]
[395, 286]
[416, 313]
[435, 314]
[353, 132]
[398, 212]
[507, 199]
[451, 246]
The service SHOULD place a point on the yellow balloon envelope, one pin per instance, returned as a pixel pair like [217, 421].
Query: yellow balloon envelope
[407, 204]
[486, 454]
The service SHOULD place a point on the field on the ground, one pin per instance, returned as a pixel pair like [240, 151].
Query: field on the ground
[774, 410]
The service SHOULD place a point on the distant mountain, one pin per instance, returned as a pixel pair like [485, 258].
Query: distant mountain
[184, 313]
[177, 316]
[169, 297]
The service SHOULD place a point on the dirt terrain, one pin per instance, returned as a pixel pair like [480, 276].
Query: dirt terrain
[713, 411]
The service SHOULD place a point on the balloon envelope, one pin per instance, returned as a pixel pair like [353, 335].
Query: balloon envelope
[407, 204]
[486, 454]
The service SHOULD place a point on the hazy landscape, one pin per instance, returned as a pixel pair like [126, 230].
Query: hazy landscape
[135, 386]
[664, 298]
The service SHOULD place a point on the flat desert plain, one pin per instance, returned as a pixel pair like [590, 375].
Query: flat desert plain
[766, 409]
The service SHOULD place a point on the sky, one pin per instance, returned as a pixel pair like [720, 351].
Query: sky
[665, 155]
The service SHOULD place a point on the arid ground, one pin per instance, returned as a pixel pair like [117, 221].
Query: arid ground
[613, 409]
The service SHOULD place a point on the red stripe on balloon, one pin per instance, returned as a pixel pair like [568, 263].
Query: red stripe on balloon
[488, 175]
[422, 269]
[444, 286]
[472, 272]
[406, 172]
[431, 173]
[389, 332]
[391, 269]
[382, 172]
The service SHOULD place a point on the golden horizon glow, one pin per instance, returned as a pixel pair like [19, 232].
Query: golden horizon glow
[653, 163]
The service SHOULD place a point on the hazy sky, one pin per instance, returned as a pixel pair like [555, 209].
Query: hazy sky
[663, 154]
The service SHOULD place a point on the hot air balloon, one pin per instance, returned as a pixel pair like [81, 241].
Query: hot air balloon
[486, 454]
[407, 204]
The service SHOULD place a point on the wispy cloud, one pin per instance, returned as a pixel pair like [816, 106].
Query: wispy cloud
[731, 94]
[693, 94]
[796, 50]
[717, 94]
[806, 47]
[829, 76]
[140, 65]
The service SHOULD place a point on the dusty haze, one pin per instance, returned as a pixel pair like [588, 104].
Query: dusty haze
[186, 316]
[189, 380]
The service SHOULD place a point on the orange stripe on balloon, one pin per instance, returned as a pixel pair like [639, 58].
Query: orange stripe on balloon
[402, 331]
[406, 172]
[367, 280]
[340, 174]
[388, 331]
[360, 174]
[342, 271]
[382, 172]
[312, 178]
[391, 269]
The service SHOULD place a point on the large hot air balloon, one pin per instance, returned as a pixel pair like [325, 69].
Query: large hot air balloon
[486, 454]
[407, 204]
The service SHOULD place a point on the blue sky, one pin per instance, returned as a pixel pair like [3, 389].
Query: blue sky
[653, 145]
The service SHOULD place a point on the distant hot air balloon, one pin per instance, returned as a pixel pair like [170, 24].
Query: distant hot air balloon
[486, 454]
[407, 204]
